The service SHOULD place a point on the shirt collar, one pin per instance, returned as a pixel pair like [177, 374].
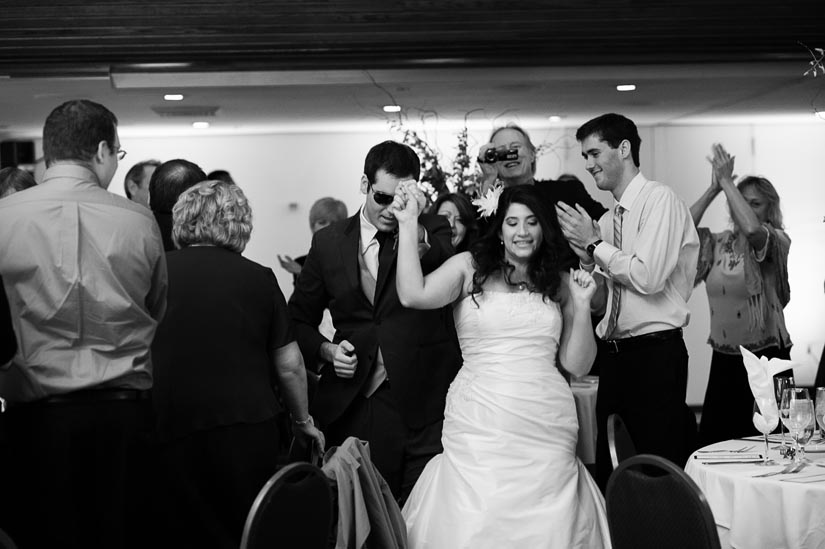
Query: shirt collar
[71, 171]
[632, 191]
[368, 231]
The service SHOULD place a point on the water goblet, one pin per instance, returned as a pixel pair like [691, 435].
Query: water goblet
[780, 383]
[764, 427]
[796, 411]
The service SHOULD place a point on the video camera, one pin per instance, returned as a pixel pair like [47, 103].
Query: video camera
[491, 156]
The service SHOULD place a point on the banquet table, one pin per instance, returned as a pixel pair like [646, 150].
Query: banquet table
[584, 393]
[780, 511]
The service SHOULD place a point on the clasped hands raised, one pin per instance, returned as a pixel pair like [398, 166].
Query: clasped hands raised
[409, 201]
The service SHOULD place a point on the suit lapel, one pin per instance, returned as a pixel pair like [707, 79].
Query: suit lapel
[350, 249]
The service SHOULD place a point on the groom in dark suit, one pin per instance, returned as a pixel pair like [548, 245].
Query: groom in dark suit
[385, 375]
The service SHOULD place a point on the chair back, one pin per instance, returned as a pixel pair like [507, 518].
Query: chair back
[292, 510]
[619, 441]
[652, 503]
[6, 542]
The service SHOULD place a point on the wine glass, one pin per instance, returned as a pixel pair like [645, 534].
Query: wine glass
[806, 433]
[765, 428]
[780, 383]
[820, 412]
[796, 411]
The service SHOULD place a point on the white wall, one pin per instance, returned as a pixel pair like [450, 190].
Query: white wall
[279, 170]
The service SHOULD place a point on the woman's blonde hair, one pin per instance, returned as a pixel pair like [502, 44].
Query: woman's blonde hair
[768, 192]
[212, 212]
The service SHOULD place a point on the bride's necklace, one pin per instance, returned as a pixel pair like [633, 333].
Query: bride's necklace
[522, 285]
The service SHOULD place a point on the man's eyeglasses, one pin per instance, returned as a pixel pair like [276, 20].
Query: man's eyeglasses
[121, 154]
[382, 199]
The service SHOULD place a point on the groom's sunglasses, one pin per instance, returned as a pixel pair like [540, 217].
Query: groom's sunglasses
[382, 199]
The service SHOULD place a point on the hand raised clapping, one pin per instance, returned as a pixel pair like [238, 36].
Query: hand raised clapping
[722, 163]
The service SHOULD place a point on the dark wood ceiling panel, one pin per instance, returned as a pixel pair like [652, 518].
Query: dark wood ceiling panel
[50, 37]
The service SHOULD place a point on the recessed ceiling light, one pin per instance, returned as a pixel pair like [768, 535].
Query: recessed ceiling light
[173, 97]
[200, 125]
[554, 118]
[626, 87]
[392, 108]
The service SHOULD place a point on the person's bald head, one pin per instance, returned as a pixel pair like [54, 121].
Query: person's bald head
[170, 180]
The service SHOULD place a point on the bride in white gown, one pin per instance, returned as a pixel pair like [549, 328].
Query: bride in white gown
[509, 476]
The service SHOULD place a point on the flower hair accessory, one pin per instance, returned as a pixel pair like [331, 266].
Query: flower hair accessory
[488, 204]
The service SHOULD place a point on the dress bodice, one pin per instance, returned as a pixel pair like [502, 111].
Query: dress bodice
[508, 328]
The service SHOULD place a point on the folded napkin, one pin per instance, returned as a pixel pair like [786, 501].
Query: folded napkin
[760, 378]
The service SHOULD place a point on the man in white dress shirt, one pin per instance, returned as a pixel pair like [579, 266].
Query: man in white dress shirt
[646, 248]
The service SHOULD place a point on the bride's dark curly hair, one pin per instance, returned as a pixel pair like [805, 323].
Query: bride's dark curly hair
[544, 267]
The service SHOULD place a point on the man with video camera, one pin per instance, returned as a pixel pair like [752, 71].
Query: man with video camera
[510, 157]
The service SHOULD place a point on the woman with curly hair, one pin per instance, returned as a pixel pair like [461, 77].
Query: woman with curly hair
[220, 355]
[509, 475]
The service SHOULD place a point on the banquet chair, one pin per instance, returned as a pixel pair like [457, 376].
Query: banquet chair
[618, 440]
[652, 503]
[6, 542]
[292, 511]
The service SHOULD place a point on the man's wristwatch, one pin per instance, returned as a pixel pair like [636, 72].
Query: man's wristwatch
[591, 248]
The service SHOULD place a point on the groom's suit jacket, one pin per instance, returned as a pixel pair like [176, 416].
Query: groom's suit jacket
[420, 350]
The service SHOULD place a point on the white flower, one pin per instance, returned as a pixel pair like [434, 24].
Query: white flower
[488, 204]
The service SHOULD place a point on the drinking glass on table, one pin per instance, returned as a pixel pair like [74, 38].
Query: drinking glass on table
[796, 411]
[765, 428]
[780, 383]
[806, 433]
[819, 410]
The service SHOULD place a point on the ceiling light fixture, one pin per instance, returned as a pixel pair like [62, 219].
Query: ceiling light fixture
[200, 125]
[554, 118]
[392, 108]
[173, 97]
[626, 87]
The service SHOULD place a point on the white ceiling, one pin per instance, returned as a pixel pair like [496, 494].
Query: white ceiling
[351, 100]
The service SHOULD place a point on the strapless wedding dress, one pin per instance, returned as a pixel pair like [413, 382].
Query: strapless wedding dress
[509, 476]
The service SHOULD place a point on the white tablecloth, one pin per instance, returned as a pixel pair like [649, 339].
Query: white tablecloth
[584, 393]
[782, 511]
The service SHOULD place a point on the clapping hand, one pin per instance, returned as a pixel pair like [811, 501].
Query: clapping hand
[578, 227]
[722, 163]
[581, 285]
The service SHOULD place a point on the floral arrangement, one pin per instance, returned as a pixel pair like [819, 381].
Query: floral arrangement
[435, 181]
[464, 178]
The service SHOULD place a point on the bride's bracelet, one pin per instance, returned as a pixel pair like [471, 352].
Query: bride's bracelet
[306, 421]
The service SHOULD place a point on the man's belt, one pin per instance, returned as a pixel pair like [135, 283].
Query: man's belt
[613, 346]
[94, 395]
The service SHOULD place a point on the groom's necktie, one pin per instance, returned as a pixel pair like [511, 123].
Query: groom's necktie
[616, 300]
[369, 273]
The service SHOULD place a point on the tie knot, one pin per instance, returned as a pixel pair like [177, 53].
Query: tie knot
[619, 210]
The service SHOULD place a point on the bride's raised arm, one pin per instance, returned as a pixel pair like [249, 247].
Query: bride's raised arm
[577, 348]
[440, 287]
